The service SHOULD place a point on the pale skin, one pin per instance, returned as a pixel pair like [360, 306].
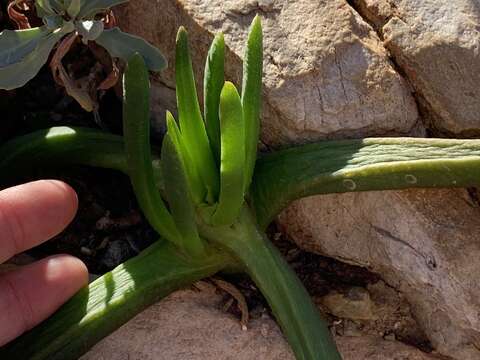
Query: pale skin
[29, 215]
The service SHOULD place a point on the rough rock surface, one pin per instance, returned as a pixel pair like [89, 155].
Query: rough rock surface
[436, 43]
[428, 253]
[328, 75]
[189, 325]
[326, 71]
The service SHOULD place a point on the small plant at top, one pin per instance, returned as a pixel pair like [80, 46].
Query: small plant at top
[210, 198]
[23, 52]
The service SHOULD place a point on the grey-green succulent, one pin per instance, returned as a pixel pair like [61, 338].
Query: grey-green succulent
[23, 52]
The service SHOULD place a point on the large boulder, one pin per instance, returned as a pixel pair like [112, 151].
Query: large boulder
[422, 242]
[190, 325]
[333, 70]
[326, 71]
[436, 44]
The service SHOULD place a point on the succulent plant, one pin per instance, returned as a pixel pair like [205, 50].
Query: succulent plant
[23, 52]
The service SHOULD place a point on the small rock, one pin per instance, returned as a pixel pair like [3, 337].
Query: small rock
[355, 304]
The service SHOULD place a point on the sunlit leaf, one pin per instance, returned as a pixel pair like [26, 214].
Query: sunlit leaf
[16, 75]
[124, 46]
[136, 130]
[178, 195]
[196, 185]
[191, 122]
[252, 95]
[16, 45]
[232, 165]
[214, 79]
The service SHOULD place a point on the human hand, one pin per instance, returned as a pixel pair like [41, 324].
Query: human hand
[29, 215]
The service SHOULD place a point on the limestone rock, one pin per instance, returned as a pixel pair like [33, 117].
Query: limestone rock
[326, 71]
[189, 325]
[436, 43]
[422, 242]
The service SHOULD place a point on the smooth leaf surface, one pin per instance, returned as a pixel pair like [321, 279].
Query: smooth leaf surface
[252, 95]
[178, 196]
[214, 79]
[18, 74]
[124, 46]
[192, 126]
[232, 165]
[195, 182]
[136, 129]
[16, 45]
[361, 165]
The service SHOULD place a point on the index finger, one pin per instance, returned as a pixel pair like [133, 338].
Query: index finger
[33, 213]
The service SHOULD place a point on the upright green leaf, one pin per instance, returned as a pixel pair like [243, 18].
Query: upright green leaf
[90, 8]
[16, 45]
[191, 123]
[178, 195]
[213, 83]
[232, 166]
[18, 74]
[136, 129]
[195, 182]
[252, 95]
[124, 46]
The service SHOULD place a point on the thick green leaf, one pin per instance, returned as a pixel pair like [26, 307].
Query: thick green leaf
[110, 301]
[16, 45]
[179, 197]
[232, 165]
[136, 130]
[195, 182]
[16, 75]
[361, 165]
[214, 79]
[90, 8]
[303, 326]
[191, 123]
[124, 46]
[65, 145]
[252, 95]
